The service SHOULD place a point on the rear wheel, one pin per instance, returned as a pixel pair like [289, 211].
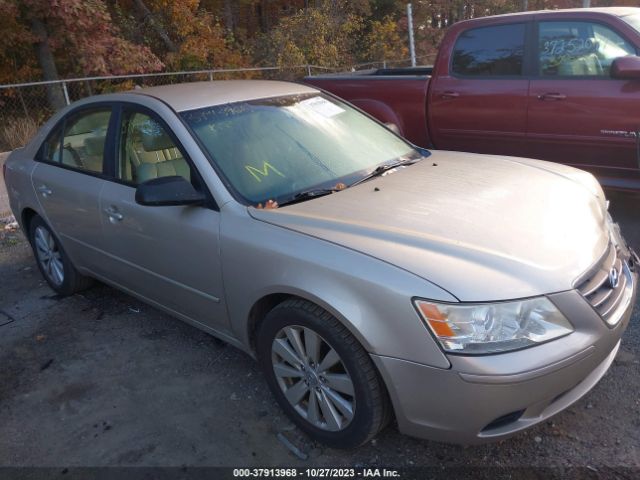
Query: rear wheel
[321, 375]
[53, 262]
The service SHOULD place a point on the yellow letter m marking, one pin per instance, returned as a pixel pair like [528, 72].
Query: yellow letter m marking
[266, 166]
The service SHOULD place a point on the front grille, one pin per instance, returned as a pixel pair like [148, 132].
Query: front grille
[599, 288]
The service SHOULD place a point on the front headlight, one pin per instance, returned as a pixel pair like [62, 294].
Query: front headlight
[493, 327]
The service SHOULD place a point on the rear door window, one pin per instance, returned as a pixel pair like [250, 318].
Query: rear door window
[490, 51]
[84, 139]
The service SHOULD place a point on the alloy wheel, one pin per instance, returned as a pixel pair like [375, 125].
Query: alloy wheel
[49, 255]
[313, 378]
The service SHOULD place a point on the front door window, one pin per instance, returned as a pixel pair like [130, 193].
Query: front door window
[568, 49]
[147, 151]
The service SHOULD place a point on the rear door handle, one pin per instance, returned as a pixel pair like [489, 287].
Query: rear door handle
[113, 214]
[552, 96]
[44, 190]
[449, 94]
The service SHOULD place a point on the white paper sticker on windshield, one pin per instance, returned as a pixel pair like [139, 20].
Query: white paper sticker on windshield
[322, 106]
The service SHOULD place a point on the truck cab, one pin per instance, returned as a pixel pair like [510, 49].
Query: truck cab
[556, 85]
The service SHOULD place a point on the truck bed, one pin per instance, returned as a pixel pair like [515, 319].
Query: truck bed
[382, 72]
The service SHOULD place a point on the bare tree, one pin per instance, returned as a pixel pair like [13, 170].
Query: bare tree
[147, 16]
[229, 21]
[55, 96]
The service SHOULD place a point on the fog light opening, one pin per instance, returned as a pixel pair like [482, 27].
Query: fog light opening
[504, 420]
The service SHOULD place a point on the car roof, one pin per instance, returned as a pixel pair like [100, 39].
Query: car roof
[194, 95]
[615, 11]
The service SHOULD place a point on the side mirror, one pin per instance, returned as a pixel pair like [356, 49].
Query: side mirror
[626, 68]
[168, 191]
[393, 127]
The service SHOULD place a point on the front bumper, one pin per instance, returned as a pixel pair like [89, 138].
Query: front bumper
[492, 397]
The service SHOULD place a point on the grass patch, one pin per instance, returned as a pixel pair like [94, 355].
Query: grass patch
[16, 132]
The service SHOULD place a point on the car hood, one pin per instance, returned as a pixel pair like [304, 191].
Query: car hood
[481, 227]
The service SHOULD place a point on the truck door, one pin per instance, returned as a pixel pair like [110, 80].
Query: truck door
[478, 96]
[578, 114]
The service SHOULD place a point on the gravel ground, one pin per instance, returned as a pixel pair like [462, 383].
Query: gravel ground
[101, 379]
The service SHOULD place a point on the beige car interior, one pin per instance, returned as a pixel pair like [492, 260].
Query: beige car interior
[149, 152]
[84, 141]
[586, 64]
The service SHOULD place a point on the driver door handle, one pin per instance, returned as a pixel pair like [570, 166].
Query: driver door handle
[552, 96]
[113, 214]
[449, 94]
[44, 190]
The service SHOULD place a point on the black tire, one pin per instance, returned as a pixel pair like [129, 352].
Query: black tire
[72, 280]
[371, 410]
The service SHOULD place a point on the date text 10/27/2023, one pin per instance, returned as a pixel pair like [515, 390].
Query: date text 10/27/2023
[315, 473]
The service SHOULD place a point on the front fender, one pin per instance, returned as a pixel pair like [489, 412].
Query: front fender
[370, 297]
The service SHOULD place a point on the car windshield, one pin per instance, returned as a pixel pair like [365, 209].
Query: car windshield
[278, 147]
[633, 20]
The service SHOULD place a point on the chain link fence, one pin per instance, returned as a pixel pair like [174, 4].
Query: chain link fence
[26, 106]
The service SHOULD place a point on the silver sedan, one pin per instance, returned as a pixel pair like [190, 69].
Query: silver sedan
[467, 296]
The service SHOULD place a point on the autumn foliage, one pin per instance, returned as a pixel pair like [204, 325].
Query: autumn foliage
[50, 39]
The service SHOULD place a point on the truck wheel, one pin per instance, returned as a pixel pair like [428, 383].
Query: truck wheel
[321, 375]
[53, 262]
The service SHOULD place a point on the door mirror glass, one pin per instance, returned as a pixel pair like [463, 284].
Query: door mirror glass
[168, 191]
[627, 68]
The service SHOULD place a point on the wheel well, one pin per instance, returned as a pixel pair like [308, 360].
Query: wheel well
[27, 216]
[260, 310]
[263, 306]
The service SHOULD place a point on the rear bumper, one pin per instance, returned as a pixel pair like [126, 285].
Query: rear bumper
[492, 397]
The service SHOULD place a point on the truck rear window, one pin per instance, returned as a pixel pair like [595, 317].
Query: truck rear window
[490, 51]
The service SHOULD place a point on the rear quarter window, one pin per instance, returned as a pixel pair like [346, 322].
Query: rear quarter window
[50, 148]
[490, 51]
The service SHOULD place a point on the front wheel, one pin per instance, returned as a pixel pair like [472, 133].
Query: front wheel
[321, 375]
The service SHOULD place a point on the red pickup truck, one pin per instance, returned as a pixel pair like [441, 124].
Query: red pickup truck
[558, 85]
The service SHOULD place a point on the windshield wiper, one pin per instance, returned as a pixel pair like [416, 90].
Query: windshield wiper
[381, 169]
[321, 192]
[308, 195]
